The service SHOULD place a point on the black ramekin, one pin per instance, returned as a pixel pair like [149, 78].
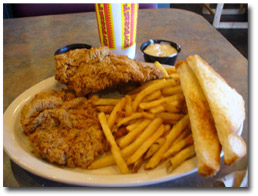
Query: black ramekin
[71, 47]
[169, 60]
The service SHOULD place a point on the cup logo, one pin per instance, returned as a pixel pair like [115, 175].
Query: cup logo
[129, 14]
[105, 25]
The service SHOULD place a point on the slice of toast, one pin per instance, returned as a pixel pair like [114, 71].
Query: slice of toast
[206, 142]
[227, 107]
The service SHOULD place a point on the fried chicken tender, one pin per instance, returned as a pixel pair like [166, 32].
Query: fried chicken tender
[43, 101]
[90, 70]
[63, 128]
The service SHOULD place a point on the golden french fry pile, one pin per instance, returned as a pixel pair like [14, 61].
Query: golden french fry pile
[147, 126]
[156, 122]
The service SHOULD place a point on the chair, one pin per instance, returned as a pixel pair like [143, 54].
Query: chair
[216, 13]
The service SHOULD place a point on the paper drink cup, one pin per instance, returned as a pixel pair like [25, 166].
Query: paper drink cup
[117, 25]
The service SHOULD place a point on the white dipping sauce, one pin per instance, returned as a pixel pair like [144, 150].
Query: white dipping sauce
[160, 50]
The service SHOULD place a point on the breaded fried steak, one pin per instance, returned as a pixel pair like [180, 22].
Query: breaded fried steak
[90, 70]
[63, 128]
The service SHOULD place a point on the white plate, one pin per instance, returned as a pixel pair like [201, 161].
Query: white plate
[17, 146]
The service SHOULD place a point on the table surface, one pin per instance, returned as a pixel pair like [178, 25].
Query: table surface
[29, 45]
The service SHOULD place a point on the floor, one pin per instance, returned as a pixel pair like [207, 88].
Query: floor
[237, 37]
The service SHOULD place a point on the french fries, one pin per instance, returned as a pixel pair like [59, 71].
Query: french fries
[107, 109]
[156, 86]
[153, 96]
[175, 76]
[148, 105]
[184, 133]
[129, 118]
[171, 70]
[173, 107]
[170, 117]
[158, 65]
[157, 109]
[114, 148]
[167, 128]
[137, 165]
[113, 115]
[143, 86]
[180, 158]
[133, 125]
[121, 132]
[128, 106]
[130, 149]
[101, 101]
[154, 147]
[175, 131]
[104, 161]
[150, 124]
[148, 115]
[144, 147]
[172, 90]
[177, 146]
[127, 139]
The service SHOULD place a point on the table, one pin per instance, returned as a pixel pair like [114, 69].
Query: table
[29, 45]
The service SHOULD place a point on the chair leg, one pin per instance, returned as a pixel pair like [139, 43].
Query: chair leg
[207, 7]
[216, 19]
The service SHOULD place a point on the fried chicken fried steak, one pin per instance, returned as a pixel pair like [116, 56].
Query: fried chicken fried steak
[90, 70]
[62, 125]
[63, 128]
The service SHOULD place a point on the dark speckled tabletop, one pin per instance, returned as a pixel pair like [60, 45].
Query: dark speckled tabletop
[30, 43]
